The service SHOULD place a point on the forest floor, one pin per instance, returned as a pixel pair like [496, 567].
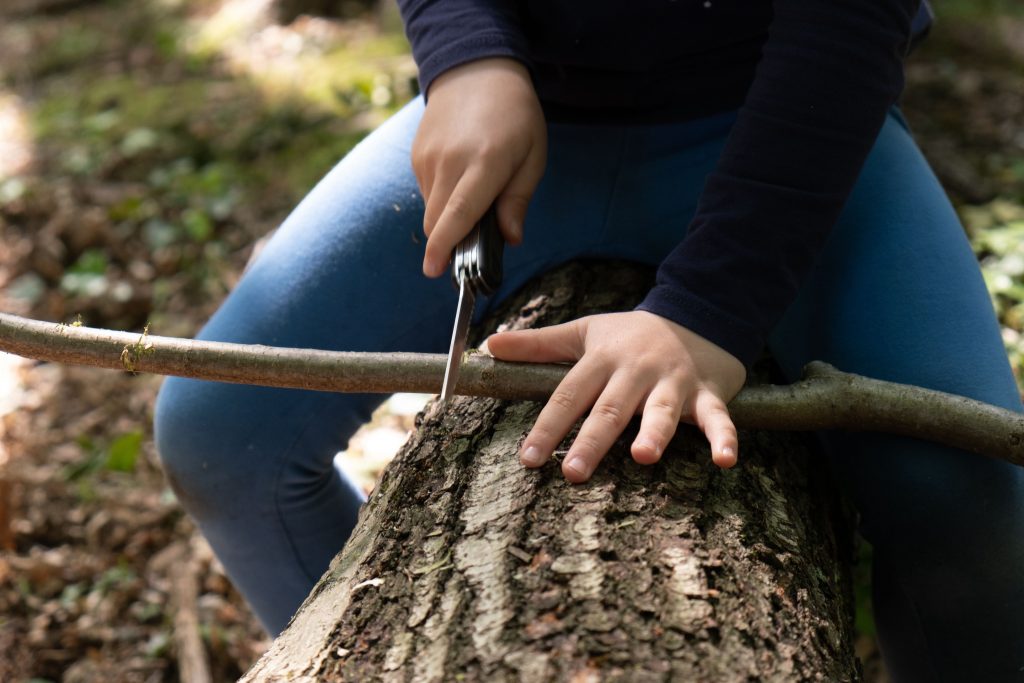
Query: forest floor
[145, 147]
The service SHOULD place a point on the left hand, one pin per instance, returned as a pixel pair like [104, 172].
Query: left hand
[627, 363]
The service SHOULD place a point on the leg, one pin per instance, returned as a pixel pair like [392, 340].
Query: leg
[897, 295]
[254, 465]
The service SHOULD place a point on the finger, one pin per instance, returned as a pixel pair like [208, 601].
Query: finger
[575, 393]
[609, 416]
[511, 209]
[423, 165]
[436, 197]
[468, 201]
[713, 419]
[515, 198]
[662, 411]
[555, 344]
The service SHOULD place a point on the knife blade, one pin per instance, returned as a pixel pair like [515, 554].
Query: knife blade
[463, 314]
[476, 269]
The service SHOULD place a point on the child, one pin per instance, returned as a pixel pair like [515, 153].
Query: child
[749, 148]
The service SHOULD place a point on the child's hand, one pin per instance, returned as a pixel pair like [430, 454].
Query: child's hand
[482, 137]
[628, 363]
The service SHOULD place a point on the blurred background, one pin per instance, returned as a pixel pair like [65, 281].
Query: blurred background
[146, 146]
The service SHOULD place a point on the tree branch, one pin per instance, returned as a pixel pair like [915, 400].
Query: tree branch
[824, 399]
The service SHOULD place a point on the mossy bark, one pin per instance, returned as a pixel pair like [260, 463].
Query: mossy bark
[466, 566]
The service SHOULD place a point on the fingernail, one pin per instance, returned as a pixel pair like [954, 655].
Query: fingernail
[532, 457]
[483, 348]
[649, 445]
[728, 452]
[577, 465]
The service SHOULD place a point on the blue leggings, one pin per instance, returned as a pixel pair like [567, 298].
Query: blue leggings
[896, 294]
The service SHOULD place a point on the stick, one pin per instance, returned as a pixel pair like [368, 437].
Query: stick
[824, 399]
[193, 666]
[6, 515]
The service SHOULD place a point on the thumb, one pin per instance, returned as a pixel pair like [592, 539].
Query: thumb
[558, 343]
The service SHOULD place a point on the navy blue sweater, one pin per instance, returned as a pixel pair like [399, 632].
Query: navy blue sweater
[812, 81]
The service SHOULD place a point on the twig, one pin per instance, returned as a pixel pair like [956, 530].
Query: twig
[824, 399]
[193, 666]
[6, 515]
[272, 366]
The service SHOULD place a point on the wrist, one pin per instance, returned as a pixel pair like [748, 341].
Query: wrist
[490, 72]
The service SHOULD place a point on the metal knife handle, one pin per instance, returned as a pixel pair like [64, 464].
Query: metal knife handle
[479, 257]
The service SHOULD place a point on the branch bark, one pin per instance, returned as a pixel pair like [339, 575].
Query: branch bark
[825, 398]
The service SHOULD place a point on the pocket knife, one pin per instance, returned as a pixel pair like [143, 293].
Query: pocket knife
[476, 270]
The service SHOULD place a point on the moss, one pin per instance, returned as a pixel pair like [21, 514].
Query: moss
[68, 50]
[306, 159]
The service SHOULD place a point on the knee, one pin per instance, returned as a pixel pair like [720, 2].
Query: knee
[941, 507]
[947, 579]
[200, 437]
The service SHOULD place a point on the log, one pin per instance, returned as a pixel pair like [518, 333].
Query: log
[466, 566]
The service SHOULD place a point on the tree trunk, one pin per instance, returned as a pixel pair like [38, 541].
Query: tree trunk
[467, 566]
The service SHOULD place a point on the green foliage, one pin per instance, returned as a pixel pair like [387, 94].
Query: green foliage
[71, 594]
[89, 464]
[200, 127]
[997, 235]
[124, 451]
[114, 577]
[120, 455]
[68, 50]
[87, 275]
[90, 262]
[977, 9]
[158, 645]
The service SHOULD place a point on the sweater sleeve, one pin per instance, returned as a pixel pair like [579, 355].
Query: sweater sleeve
[829, 72]
[447, 33]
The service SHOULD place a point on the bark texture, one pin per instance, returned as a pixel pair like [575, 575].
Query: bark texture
[466, 566]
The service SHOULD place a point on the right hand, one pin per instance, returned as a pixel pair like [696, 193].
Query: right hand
[482, 138]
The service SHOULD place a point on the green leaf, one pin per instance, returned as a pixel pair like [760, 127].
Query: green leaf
[197, 224]
[114, 577]
[70, 595]
[124, 452]
[87, 464]
[91, 262]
